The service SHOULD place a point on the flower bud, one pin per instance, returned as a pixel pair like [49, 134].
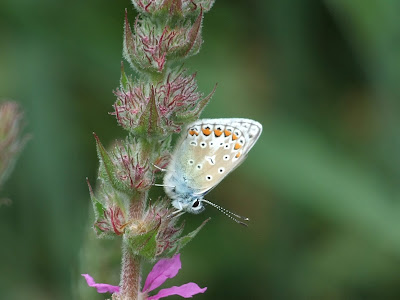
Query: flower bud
[149, 48]
[159, 110]
[178, 100]
[125, 168]
[157, 233]
[172, 7]
[109, 209]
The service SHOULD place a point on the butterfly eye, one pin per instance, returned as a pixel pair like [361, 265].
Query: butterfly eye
[196, 203]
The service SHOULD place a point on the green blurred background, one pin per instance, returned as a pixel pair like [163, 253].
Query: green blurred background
[321, 186]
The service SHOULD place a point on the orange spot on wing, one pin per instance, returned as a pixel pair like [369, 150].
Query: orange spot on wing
[217, 132]
[234, 136]
[227, 133]
[193, 132]
[238, 155]
[206, 131]
[237, 146]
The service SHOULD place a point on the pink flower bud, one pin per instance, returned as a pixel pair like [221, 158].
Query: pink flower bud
[130, 169]
[176, 101]
[172, 7]
[10, 137]
[150, 47]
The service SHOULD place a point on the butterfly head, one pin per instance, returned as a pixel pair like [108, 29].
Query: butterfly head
[193, 205]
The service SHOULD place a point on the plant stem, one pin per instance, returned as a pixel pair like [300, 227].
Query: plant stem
[130, 273]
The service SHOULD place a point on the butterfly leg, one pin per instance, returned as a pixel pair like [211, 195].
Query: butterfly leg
[161, 169]
[156, 184]
[178, 213]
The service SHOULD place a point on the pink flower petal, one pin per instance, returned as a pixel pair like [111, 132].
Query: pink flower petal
[165, 268]
[101, 287]
[186, 291]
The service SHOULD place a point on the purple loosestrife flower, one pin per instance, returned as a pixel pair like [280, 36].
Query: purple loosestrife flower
[157, 101]
[162, 270]
[101, 287]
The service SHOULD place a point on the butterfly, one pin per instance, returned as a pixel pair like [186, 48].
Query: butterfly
[207, 152]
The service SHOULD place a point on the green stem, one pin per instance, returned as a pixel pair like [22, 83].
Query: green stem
[156, 77]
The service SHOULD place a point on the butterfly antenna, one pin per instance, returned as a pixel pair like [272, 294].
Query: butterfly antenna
[235, 217]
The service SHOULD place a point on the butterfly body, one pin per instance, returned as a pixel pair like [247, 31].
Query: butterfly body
[208, 151]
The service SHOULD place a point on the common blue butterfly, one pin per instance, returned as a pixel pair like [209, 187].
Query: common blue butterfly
[208, 150]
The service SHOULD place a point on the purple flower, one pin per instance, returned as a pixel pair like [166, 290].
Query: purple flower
[101, 287]
[162, 270]
[168, 268]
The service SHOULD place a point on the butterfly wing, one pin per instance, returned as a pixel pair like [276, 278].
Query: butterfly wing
[212, 148]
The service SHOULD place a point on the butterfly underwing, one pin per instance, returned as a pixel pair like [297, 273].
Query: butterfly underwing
[208, 150]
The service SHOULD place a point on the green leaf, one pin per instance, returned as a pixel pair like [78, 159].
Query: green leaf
[108, 170]
[187, 238]
[98, 207]
[124, 79]
[145, 244]
[149, 120]
[193, 40]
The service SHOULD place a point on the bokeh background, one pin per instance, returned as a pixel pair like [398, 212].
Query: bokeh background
[321, 186]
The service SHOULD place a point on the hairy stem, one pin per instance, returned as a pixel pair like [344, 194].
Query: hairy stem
[130, 273]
